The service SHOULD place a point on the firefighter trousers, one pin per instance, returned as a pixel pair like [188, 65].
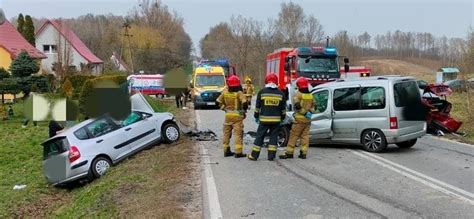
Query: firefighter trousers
[249, 99]
[262, 131]
[237, 127]
[300, 131]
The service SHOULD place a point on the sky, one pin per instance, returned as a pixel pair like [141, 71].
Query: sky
[451, 18]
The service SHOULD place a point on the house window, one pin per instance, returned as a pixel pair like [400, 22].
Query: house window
[50, 49]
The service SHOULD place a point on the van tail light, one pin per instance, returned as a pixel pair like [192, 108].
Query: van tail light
[74, 154]
[393, 123]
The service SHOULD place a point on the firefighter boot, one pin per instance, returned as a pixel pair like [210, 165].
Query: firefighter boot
[239, 155]
[255, 153]
[272, 150]
[228, 152]
[302, 155]
[286, 156]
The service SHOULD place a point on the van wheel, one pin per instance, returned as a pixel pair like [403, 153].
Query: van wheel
[100, 166]
[170, 133]
[407, 144]
[374, 141]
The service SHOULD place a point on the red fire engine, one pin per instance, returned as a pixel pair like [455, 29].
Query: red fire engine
[355, 72]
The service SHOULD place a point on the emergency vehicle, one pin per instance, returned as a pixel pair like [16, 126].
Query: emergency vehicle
[146, 84]
[355, 72]
[207, 84]
[224, 63]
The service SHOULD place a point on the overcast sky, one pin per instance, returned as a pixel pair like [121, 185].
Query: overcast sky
[440, 17]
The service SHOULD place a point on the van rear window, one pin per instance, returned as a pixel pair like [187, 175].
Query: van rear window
[54, 147]
[406, 93]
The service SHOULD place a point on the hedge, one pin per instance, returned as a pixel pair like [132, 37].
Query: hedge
[88, 87]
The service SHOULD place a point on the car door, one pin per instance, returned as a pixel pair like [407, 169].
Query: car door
[139, 129]
[108, 138]
[321, 121]
[346, 110]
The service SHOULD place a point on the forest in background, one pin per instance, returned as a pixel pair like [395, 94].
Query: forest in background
[246, 42]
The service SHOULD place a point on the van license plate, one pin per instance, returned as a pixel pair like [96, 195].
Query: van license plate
[211, 104]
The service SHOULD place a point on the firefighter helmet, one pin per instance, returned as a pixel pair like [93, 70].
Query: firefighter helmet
[302, 83]
[271, 78]
[248, 79]
[233, 81]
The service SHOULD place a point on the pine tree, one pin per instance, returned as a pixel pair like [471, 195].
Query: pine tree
[24, 65]
[21, 24]
[29, 31]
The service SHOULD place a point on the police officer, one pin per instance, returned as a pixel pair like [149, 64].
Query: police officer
[233, 102]
[269, 113]
[249, 90]
[304, 108]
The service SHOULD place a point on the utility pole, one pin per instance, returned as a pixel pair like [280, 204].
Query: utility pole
[126, 27]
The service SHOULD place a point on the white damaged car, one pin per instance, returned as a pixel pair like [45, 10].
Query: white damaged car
[90, 148]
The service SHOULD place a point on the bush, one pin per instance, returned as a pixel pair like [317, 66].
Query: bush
[4, 74]
[67, 89]
[77, 82]
[88, 87]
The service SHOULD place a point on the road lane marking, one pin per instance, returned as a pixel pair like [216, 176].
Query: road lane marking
[213, 199]
[451, 141]
[419, 177]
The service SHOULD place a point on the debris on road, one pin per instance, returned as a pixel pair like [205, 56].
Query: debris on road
[18, 187]
[198, 135]
[247, 215]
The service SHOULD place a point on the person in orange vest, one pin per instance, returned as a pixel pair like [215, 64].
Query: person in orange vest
[304, 109]
[233, 102]
[249, 90]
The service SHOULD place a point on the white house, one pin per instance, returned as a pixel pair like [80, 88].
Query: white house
[119, 63]
[62, 45]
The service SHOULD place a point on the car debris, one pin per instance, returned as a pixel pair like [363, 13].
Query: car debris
[18, 187]
[197, 135]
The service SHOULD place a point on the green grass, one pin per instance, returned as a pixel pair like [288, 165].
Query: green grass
[21, 163]
[159, 105]
[463, 110]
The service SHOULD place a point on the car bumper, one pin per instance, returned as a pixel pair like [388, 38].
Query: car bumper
[394, 136]
[201, 103]
[75, 171]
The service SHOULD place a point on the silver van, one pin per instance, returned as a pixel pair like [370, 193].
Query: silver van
[371, 112]
[90, 148]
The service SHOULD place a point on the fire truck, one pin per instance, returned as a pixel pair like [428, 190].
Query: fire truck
[224, 63]
[318, 64]
[355, 72]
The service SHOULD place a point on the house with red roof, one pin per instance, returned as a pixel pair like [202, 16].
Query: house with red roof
[62, 46]
[12, 43]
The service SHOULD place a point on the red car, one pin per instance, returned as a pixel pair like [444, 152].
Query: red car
[438, 118]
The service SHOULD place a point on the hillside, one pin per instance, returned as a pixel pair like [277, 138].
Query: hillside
[382, 66]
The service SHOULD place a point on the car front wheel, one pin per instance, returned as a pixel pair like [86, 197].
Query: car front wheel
[374, 141]
[407, 144]
[170, 133]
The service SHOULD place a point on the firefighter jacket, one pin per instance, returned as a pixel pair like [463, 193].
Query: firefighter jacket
[270, 106]
[249, 90]
[306, 103]
[233, 103]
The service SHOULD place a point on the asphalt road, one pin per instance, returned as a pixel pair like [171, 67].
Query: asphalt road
[434, 179]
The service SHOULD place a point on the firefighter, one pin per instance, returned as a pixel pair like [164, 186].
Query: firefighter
[233, 102]
[304, 109]
[269, 113]
[249, 90]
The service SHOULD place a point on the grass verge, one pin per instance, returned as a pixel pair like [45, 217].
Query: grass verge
[153, 183]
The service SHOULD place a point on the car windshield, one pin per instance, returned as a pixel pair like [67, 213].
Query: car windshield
[210, 80]
[317, 64]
